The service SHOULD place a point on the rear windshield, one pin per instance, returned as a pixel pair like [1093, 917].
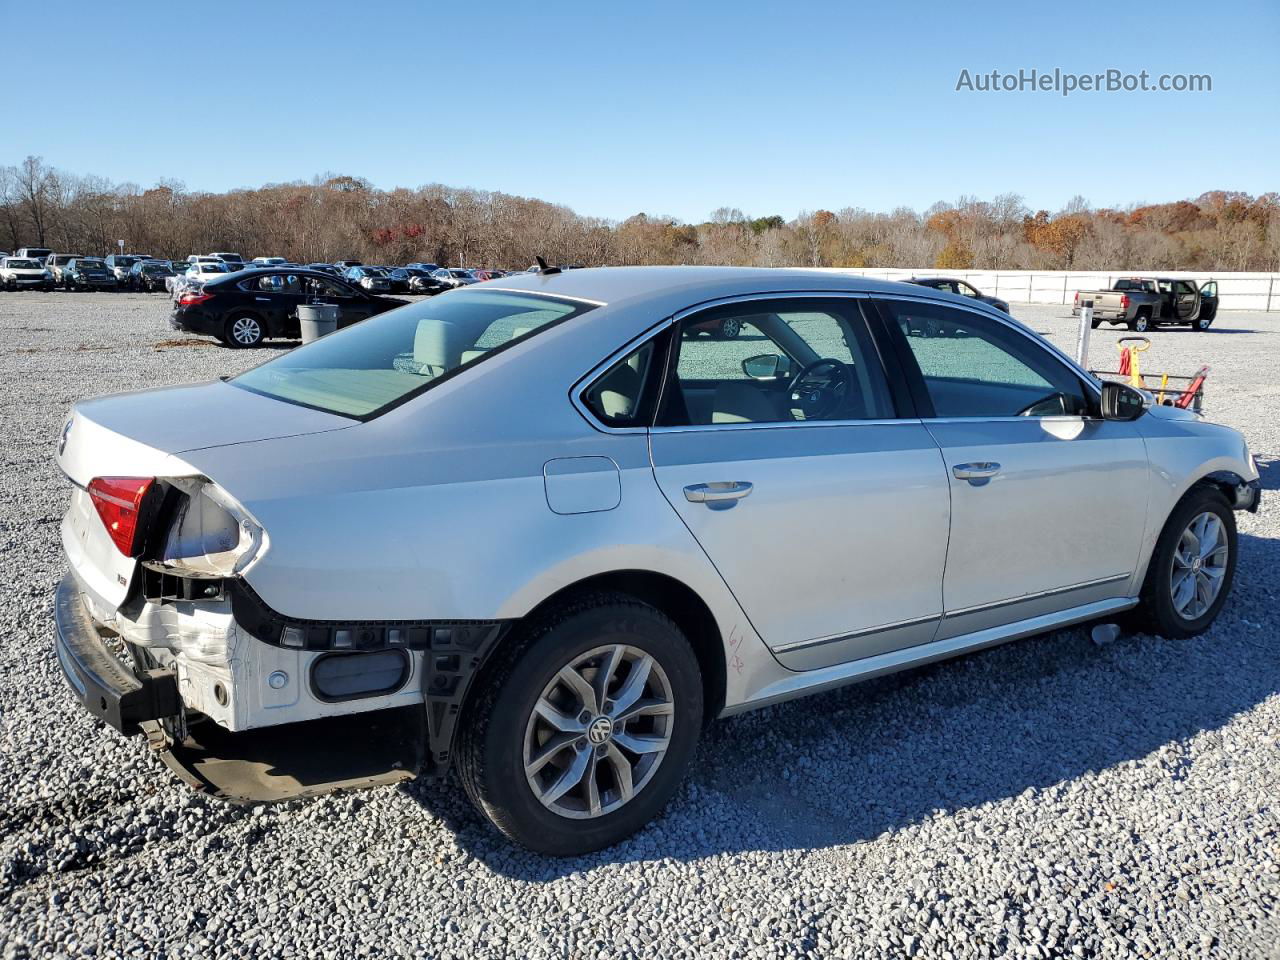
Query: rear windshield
[372, 366]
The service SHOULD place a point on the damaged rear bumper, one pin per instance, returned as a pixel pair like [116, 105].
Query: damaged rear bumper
[104, 685]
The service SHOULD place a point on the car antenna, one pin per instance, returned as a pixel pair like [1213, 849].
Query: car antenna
[543, 268]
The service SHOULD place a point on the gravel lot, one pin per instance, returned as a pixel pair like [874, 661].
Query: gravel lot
[1046, 798]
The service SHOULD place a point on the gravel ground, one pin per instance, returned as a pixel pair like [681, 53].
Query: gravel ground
[1046, 798]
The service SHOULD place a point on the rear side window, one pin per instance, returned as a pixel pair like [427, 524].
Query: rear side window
[370, 367]
[977, 367]
[623, 395]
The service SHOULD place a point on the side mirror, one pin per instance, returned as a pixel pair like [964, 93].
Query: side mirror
[762, 367]
[1121, 401]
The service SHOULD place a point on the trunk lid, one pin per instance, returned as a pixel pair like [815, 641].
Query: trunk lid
[144, 434]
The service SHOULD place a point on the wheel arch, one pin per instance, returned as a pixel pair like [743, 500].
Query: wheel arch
[674, 599]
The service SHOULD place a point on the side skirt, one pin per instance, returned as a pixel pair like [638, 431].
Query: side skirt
[799, 684]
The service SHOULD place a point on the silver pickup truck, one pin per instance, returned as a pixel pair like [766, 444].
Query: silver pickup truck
[1141, 303]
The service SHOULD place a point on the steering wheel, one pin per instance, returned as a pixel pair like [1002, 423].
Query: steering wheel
[817, 397]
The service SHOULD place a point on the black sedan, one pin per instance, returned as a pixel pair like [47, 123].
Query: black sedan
[952, 285]
[245, 308]
[149, 275]
[88, 273]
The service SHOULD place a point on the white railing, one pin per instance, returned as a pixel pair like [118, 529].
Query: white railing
[1236, 291]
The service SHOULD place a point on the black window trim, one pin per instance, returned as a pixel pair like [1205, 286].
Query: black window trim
[915, 379]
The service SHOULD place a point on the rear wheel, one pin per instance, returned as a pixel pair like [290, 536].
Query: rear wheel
[1192, 567]
[243, 330]
[1141, 323]
[582, 733]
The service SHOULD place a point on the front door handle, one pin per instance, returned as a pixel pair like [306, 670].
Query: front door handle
[976, 473]
[717, 492]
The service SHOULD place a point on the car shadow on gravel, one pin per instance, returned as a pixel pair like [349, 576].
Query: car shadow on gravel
[943, 740]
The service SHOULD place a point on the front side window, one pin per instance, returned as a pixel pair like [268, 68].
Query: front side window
[776, 361]
[374, 365]
[977, 367]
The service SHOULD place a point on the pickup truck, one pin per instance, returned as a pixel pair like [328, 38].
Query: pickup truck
[1141, 303]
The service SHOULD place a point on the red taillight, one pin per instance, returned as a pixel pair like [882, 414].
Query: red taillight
[118, 501]
[191, 299]
[1124, 301]
[1077, 298]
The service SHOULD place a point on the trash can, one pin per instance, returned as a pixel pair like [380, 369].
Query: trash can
[317, 320]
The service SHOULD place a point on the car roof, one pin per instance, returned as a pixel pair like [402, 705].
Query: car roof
[614, 285]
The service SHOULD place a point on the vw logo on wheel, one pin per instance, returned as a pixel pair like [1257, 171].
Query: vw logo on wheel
[600, 731]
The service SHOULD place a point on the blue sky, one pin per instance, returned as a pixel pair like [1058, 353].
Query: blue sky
[656, 107]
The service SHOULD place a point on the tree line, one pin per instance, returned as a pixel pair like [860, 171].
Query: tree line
[336, 216]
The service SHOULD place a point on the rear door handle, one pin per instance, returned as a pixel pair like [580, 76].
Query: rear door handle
[980, 470]
[717, 492]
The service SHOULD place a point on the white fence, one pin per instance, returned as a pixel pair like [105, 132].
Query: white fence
[1236, 291]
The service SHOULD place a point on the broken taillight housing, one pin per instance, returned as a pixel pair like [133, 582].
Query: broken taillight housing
[118, 501]
[210, 536]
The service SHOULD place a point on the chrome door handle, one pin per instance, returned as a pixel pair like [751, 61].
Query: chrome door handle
[981, 470]
[717, 492]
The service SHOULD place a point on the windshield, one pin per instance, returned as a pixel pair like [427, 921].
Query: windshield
[91, 264]
[233, 257]
[374, 365]
[212, 268]
[21, 264]
[461, 274]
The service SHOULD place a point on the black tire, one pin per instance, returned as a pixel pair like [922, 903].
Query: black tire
[490, 749]
[1094, 324]
[1156, 613]
[246, 322]
[1141, 322]
[729, 328]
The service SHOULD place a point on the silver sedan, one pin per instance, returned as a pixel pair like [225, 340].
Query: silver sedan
[558, 531]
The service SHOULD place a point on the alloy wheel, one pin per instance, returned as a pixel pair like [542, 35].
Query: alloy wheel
[246, 331]
[1199, 566]
[730, 328]
[598, 732]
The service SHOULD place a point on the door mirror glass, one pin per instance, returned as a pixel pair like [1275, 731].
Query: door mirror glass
[1121, 401]
[765, 366]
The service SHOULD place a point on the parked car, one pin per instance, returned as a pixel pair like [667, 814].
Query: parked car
[563, 536]
[369, 279]
[428, 267]
[41, 254]
[1142, 303]
[149, 276]
[268, 262]
[244, 309]
[24, 273]
[57, 264]
[454, 277]
[483, 275]
[206, 268]
[328, 268]
[419, 281]
[397, 279]
[961, 288]
[233, 260]
[121, 264]
[89, 273]
[345, 265]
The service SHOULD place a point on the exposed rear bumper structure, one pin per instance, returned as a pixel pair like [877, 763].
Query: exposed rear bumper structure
[108, 689]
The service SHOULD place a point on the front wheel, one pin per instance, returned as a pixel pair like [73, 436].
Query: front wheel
[244, 330]
[729, 328]
[583, 731]
[1192, 567]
